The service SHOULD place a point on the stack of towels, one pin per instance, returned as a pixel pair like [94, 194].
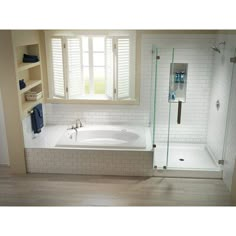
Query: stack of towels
[30, 58]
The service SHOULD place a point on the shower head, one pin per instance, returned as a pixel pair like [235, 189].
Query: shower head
[216, 49]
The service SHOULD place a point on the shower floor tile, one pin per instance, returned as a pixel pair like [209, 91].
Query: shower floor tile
[184, 156]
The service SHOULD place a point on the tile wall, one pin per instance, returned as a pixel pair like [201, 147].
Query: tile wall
[90, 162]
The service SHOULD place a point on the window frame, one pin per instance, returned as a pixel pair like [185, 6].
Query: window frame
[91, 65]
[134, 92]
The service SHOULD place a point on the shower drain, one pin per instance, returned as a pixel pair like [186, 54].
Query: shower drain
[181, 159]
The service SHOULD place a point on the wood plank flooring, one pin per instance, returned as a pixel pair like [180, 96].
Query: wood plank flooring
[79, 190]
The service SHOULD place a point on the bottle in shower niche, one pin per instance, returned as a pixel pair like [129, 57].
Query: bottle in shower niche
[182, 77]
[177, 77]
[172, 96]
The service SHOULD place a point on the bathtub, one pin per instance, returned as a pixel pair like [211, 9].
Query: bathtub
[112, 137]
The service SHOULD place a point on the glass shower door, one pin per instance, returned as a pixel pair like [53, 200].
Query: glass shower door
[181, 85]
[229, 137]
[190, 88]
[162, 59]
[153, 94]
[179, 127]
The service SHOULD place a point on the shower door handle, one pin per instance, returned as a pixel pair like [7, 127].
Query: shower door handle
[179, 112]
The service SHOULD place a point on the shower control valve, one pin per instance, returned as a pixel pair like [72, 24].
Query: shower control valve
[78, 124]
[217, 104]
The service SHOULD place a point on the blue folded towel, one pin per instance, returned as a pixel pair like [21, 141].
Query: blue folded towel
[22, 84]
[37, 118]
[30, 58]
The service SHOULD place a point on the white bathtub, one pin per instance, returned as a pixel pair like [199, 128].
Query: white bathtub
[106, 136]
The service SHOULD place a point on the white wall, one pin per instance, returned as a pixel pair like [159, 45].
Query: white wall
[4, 158]
[97, 114]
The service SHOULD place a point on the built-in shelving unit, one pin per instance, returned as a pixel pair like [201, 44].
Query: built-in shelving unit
[31, 73]
[29, 85]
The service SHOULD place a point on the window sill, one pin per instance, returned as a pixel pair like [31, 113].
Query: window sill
[92, 102]
[100, 97]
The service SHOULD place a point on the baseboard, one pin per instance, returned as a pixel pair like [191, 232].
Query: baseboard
[201, 174]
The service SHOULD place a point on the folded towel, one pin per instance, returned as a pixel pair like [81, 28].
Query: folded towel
[22, 84]
[37, 118]
[30, 58]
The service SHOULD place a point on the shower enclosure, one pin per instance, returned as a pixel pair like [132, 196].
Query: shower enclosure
[182, 108]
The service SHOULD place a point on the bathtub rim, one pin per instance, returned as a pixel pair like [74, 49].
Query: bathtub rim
[46, 139]
[139, 143]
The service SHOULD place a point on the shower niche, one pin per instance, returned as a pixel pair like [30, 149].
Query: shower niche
[178, 82]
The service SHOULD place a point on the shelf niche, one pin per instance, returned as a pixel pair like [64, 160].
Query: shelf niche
[27, 105]
[31, 73]
[32, 49]
[30, 76]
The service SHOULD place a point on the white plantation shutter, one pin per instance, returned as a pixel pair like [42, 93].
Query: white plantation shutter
[66, 71]
[132, 65]
[74, 72]
[123, 67]
[57, 67]
[109, 67]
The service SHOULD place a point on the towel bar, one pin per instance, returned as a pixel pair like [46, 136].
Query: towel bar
[30, 112]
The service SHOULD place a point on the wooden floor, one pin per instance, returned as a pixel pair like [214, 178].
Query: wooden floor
[77, 190]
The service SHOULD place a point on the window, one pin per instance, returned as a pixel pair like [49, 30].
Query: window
[91, 67]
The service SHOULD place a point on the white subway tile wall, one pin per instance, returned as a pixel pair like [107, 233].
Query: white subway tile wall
[97, 114]
[89, 162]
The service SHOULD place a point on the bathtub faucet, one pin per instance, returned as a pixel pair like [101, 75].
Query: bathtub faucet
[78, 124]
